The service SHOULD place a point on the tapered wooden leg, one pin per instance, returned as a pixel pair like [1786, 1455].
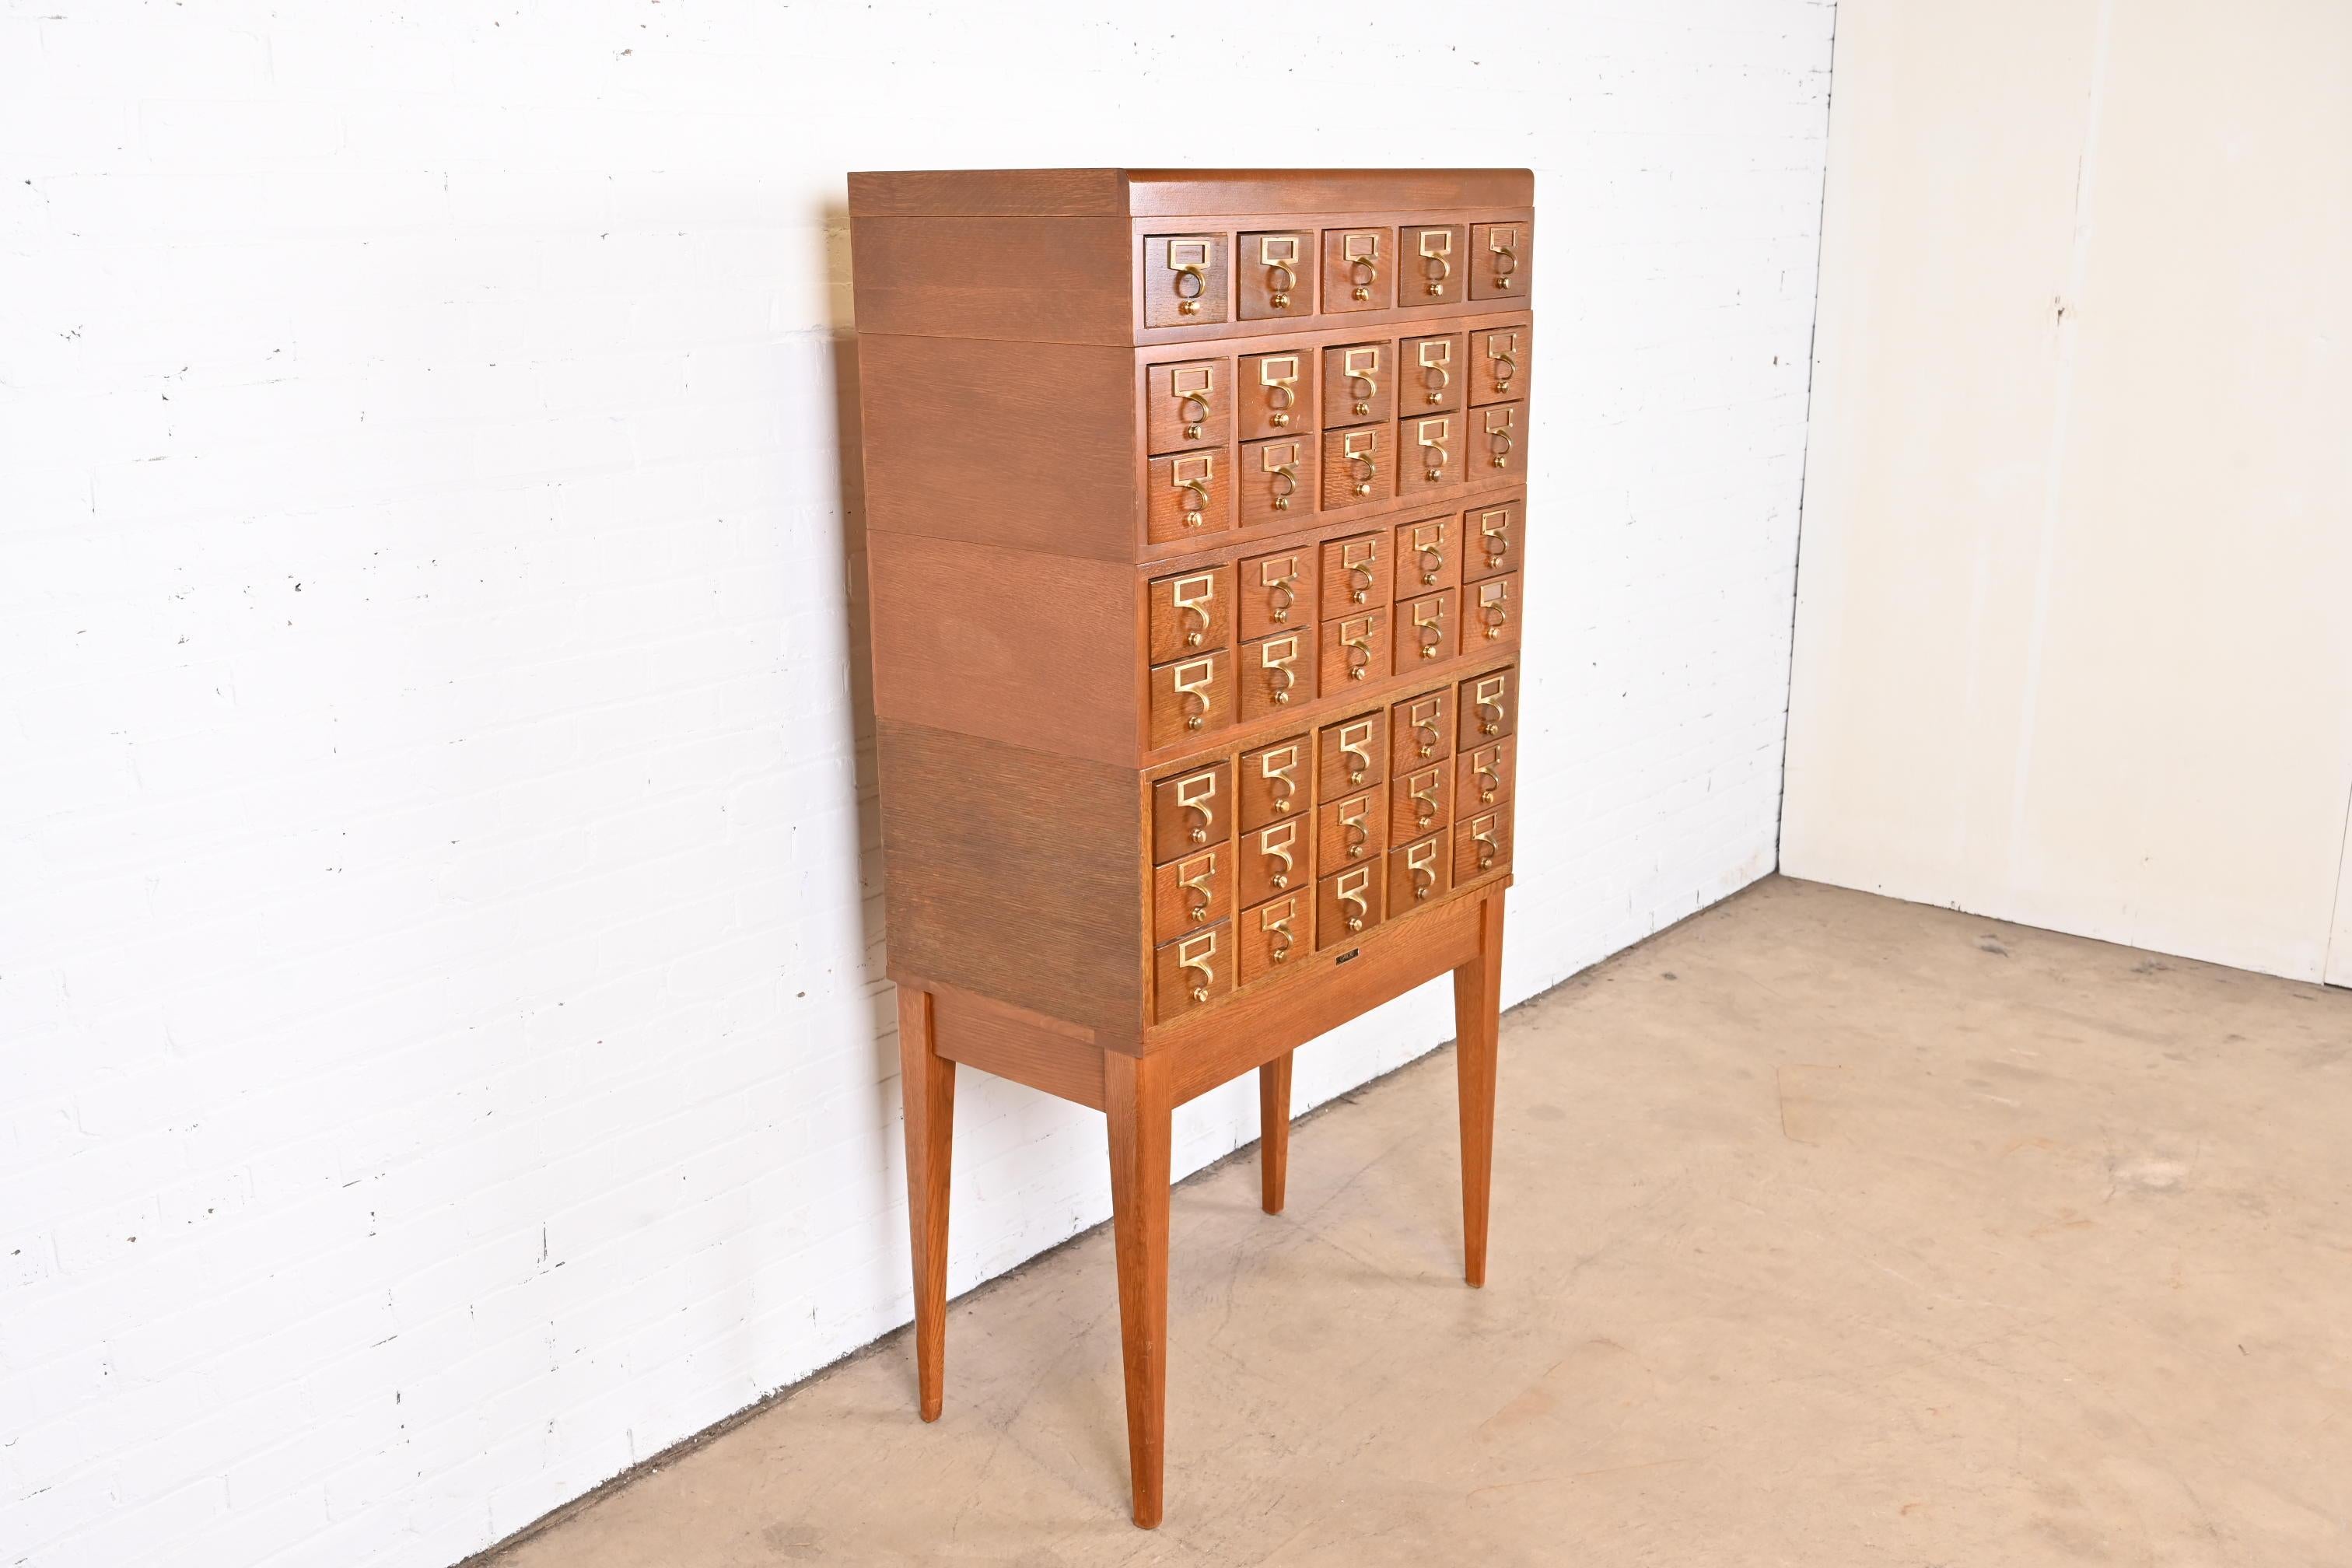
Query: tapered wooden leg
[1274, 1130]
[1138, 1100]
[928, 1084]
[1477, 994]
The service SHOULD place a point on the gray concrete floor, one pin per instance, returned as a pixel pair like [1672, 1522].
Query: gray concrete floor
[1827, 1230]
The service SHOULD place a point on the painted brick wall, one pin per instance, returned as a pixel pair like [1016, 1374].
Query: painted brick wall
[442, 1056]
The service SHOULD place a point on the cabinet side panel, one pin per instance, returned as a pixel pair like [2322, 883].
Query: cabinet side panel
[1014, 874]
[1041, 279]
[1037, 651]
[1029, 445]
[984, 192]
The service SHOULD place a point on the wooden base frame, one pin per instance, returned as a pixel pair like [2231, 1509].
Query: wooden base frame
[1138, 1095]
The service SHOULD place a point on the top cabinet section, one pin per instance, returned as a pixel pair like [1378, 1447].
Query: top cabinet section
[1028, 253]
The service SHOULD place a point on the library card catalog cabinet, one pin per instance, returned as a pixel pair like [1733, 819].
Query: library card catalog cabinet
[1196, 520]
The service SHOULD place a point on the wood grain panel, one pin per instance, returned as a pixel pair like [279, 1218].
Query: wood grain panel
[1013, 1043]
[989, 193]
[1152, 192]
[1039, 279]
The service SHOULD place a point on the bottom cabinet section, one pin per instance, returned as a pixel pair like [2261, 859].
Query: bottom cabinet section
[1191, 971]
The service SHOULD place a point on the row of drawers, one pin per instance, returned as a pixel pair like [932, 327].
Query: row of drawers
[1193, 611]
[1292, 274]
[1281, 483]
[1409, 802]
[1200, 404]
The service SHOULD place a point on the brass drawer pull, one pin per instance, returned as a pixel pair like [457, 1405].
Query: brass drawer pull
[1279, 376]
[1277, 253]
[1435, 374]
[1502, 259]
[1362, 367]
[1363, 263]
[1436, 263]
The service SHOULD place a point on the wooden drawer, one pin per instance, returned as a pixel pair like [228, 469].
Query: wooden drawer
[1429, 454]
[1489, 707]
[1482, 844]
[1351, 754]
[1431, 373]
[1502, 426]
[1359, 269]
[1418, 872]
[1358, 466]
[1277, 395]
[1276, 859]
[1482, 775]
[1492, 609]
[1347, 904]
[1192, 972]
[1494, 536]
[1428, 555]
[1277, 270]
[1275, 783]
[1192, 891]
[1188, 405]
[1191, 811]
[1500, 259]
[1433, 253]
[1278, 591]
[1356, 573]
[1359, 384]
[1421, 798]
[1274, 934]
[1499, 361]
[1185, 497]
[1352, 830]
[1276, 672]
[1422, 728]
[1428, 630]
[1276, 482]
[1190, 698]
[1190, 612]
[1185, 281]
[1354, 650]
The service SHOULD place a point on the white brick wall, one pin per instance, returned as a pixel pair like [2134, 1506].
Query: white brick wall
[444, 1057]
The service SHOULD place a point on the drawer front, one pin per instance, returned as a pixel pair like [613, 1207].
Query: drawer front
[1278, 591]
[1347, 904]
[1192, 811]
[1275, 934]
[1184, 279]
[1494, 536]
[1358, 466]
[1421, 798]
[1433, 255]
[1489, 707]
[1274, 394]
[1188, 406]
[1422, 728]
[1186, 497]
[1276, 672]
[1482, 775]
[1192, 891]
[1498, 365]
[1430, 380]
[1276, 859]
[1278, 482]
[1492, 608]
[1355, 573]
[1428, 629]
[1190, 698]
[1501, 428]
[1500, 254]
[1359, 269]
[1351, 754]
[1352, 829]
[1482, 844]
[1192, 972]
[1354, 649]
[1429, 453]
[1277, 275]
[1275, 782]
[1191, 612]
[1358, 385]
[1428, 555]
[1418, 872]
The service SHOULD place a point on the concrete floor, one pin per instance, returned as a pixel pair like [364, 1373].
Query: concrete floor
[1827, 1230]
